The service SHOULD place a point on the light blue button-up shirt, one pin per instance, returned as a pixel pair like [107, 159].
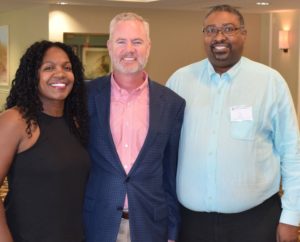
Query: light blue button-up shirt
[239, 138]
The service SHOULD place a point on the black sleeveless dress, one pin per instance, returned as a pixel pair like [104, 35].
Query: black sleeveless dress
[46, 186]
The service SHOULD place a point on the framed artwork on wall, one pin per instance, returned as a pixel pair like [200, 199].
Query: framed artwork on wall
[4, 47]
[96, 61]
[92, 51]
[75, 48]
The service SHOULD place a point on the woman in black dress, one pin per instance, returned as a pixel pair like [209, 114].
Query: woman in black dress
[43, 132]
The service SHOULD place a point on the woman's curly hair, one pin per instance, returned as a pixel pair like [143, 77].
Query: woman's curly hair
[24, 93]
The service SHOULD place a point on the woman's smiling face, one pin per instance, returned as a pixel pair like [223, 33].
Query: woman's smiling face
[56, 77]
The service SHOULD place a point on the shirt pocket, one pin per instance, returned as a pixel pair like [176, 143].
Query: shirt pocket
[245, 129]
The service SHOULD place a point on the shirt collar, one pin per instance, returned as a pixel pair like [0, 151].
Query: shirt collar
[226, 76]
[122, 91]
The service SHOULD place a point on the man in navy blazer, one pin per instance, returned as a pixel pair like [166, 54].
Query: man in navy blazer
[135, 127]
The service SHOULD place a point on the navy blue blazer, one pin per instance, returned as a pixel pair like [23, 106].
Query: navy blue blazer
[151, 183]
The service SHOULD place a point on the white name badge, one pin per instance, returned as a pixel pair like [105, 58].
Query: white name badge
[241, 113]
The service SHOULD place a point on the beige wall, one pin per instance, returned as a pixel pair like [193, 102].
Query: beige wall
[176, 35]
[25, 27]
[287, 63]
[265, 35]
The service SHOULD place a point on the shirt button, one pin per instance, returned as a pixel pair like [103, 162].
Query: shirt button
[126, 145]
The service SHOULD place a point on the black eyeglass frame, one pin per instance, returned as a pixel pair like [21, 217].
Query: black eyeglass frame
[233, 30]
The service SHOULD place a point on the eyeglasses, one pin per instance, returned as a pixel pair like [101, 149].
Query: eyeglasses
[227, 30]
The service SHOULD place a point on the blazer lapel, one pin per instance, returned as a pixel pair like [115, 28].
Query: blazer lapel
[156, 104]
[102, 101]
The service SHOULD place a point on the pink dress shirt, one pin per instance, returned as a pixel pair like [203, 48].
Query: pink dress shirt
[129, 122]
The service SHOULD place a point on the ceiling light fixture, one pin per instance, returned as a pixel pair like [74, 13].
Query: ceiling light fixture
[263, 3]
[62, 3]
[134, 1]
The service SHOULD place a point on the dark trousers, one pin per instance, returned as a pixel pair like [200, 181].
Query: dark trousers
[255, 225]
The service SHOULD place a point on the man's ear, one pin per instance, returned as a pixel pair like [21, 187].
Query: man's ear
[244, 32]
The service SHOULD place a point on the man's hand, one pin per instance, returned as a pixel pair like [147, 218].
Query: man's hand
[287, 233]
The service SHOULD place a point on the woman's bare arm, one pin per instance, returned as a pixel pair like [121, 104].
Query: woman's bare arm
[12, 132]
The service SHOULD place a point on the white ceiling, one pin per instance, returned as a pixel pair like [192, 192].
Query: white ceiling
[190, 5]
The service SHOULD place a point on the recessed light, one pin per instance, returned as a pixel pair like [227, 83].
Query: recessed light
[134, 1]
[263, 3]
[61, 3]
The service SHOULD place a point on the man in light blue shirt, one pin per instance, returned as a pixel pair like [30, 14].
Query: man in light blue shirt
[239, 138]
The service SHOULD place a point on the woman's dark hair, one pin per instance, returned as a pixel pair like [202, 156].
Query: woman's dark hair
[24, 92]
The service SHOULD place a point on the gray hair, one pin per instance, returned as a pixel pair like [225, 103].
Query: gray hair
[128, 16]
